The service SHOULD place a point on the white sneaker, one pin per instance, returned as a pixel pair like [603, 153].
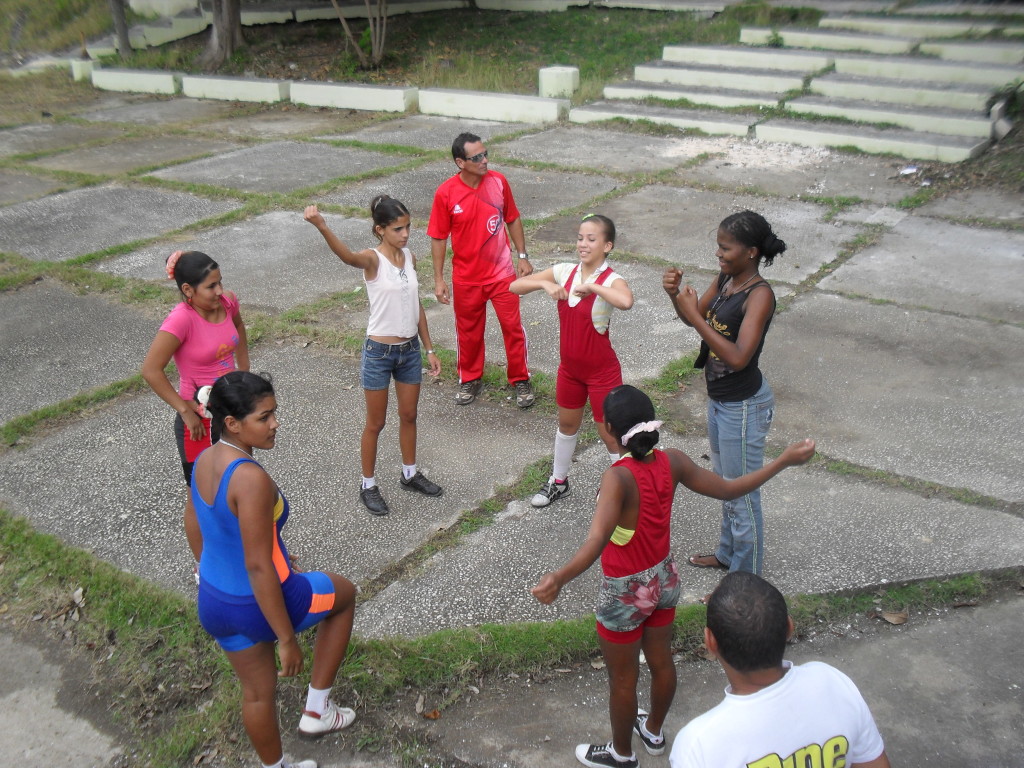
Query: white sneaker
[303, 764]
[549, 492]
[333, 719]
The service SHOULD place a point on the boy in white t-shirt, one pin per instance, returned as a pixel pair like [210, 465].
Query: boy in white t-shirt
[774, 714]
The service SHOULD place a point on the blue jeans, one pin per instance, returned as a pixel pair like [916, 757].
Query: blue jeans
[737, 432]
[382, 361]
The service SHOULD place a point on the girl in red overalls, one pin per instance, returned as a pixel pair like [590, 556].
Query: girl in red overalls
[586, 293]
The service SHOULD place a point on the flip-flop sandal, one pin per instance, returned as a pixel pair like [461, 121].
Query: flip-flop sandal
[716, 564]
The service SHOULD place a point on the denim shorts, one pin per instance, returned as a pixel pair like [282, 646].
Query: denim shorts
[381, 362]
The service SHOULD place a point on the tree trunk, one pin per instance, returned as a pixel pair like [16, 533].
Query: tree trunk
[225, 34]
[124, 46]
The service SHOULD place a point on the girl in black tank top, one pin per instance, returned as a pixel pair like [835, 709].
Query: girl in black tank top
[732, 317]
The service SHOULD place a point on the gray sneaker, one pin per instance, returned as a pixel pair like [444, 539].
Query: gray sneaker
[468, 390]
[549, 492]
[374, 501]
[524, 394]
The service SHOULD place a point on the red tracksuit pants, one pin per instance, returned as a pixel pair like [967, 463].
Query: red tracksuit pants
[470, 305]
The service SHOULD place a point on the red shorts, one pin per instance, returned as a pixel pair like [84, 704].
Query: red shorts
[572, 391]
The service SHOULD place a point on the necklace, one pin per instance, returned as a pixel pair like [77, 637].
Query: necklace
[722, 295]
[232, 445]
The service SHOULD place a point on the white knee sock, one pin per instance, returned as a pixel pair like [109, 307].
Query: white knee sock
[316, 699]
[565, 446]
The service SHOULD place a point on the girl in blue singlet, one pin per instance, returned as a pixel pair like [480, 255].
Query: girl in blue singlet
[250, 595]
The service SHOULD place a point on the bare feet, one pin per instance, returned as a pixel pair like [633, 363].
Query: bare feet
[706, 561]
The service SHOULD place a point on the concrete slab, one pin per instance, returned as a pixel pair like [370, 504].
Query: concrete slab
[87, 220]
[132, 517]
[929, 396]
[428, 131]
[538, 194]
[273, 262]
[646, 338]
[887, 535]
[794, 171]
[686, 236]
[987, 289]
[160, 112]
[133, 154]
[594, 148]
[282, 166]
[992, 204]
[72, 337]
[45, 137]
[286, 121]
[32, 688]
[16, 187]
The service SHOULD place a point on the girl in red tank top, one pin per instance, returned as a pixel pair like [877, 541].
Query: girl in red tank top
[586, 293]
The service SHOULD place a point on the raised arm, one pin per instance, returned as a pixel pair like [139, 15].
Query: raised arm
[672, 282]
[537, 281]
[618, 294]
[707, 483]
[365, 260]
[760, 305]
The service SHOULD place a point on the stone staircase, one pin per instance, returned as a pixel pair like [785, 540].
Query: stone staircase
[917, 87]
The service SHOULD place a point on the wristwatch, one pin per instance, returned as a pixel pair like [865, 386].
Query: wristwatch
[524, 255]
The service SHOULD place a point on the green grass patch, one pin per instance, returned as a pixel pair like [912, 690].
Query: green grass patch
[22, 426]
[674, 376]
[53, 25]
[917, 199]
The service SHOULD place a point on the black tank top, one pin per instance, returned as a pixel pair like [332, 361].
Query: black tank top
[725, 315]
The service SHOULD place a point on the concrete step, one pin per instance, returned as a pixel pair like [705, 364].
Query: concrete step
[750, 58]
[907, 92]
[909, 27]
[829, 40]
[733, 78]
[715, 123]
[988, 52]
[897, 141]
[921, 68]
[709, 97]
[931, 120]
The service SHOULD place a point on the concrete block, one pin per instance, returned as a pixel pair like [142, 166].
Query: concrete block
[714, 123]
[529, 5]
[753, 58]
[358, 10]
[704, 10]
[909, 144]
[136, 81]
[176, 28]
[557, 82]
[739, 79]
[711, 97]
[910, 92]
[1000, 128]
[252, 18]
[914, 68]
[101, 48]
[162, 7]
[503, 107]
[373, 98]
[931, 120]
[989, 52]
[37, 65]
[829, 40]
[81, 69]
[908, 27]
[256, 89]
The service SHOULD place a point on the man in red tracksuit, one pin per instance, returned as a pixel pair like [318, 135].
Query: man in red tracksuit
[475, 207]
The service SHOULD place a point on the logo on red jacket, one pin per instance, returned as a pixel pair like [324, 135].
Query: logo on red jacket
[493, 223]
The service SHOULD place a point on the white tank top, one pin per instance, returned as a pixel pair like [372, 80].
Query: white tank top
[394, 298]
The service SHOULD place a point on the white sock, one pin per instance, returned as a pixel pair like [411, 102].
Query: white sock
[369, 482]
[408, 470]
[613, 457]
[316, 699]
[278, 764]
[565, 446]
[648, 734]
[617, 756]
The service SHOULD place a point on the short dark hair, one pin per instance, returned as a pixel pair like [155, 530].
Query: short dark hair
[624, 408]
[192, 267]
[236, 394]
[754, 231]
[459, 145]
[749, 619]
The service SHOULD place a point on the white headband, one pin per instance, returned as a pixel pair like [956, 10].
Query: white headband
[643, 426]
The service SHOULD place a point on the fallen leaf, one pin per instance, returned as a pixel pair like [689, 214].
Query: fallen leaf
[563, 670]
[895, 618]
[961, 604]
[419, 705]
[432, 714]
[77, 597]
[597, 663]
[704, 653]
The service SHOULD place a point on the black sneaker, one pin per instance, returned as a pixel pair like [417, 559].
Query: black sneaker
[373, 501]
[653, 747]
[468, 390]
[600, 756]
[549, 492]
[420, 484]
[524, 394]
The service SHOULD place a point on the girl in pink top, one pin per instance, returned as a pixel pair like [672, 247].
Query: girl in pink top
[205, 335]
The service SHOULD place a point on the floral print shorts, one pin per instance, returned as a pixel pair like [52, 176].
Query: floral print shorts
[625, 603]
